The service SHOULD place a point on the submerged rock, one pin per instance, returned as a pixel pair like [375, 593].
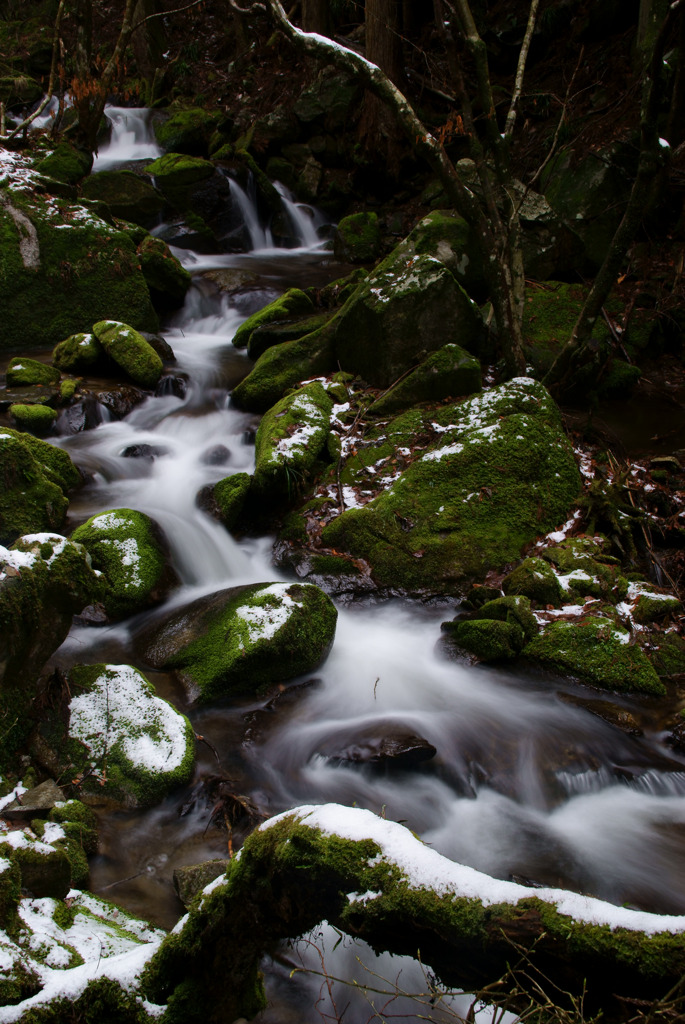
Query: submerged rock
[383, 744]
[243, 639]
[129, 549]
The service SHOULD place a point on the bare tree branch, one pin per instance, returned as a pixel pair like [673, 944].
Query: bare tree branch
[51, 82]
[520, 70]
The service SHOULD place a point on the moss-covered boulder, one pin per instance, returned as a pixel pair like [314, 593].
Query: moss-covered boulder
[290, 440]
[44, 868]
[597, 651]
[35, 479]
[501, 473]
[129, 549]
[404, 310]
[166, 278]
[121, 739]
[487, 639]
[280, 331]
[80, 353]
[44, 580]
[550, 313]
[66, 163]
[447, 373]
[284, 366]
[230, 495]
[37, 419]
[534, 578]
[511, 609]
[186, 131]
[22, 371]
[446, 236]
[649, 604]
[293, 303]
[62, 267]
[358, 238]
[130, 351]
[240, 640]
[177, 175]
[128, 195]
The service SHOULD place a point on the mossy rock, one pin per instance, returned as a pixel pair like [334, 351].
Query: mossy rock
[130, 351]
[230, 495]
[285, 366]
[501, 474]
[10, 894]
[66, 163]
[668, 657]
[63, 267]
[127, 195]
[241, 640]
[290, 440]
[36, 419]
[487, 639]
[45, 869]
[597, 651]
[446, 236]
[31, 498]
[358, 238]
[329, 100]
[44, 581]
[578, 552]
[293, 303]
[511, 609]
[80, 820]
[281, 331]
[535, 579]
[186, 131]
[22, 371]
[447, 373]
[166, 278]
[80, 353]
[620, 379]
[129, 549]
[652, 606]
[191, 879]
[175, 173]
[127, 742]
[404, 309]
[549, 316]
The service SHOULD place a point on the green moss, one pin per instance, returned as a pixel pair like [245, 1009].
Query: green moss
[10, 890]
[620, 379]
[488, 639]
[283, 367]
[651, 607]
[54, 462]
[550, 313]
[358, 238]
[67, 390]
[281, 331]
[293, 303]
[231, 494]
[598, 652]
[167, 280]
[446, 236]
[80, 353]
[66, 163]
[31, 501]
[176, 175]
[447, 373]
[130, 351]
[255, 637]
[290, 439]
[668, 658]
[535, 579]
[37, 419]
[79, 270]
[187, 131]
[511, 609]
[23, 371]
[127, 195]
[126, 546]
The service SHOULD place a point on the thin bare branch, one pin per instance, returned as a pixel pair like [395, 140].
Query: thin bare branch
[521, 69]
[51, 82]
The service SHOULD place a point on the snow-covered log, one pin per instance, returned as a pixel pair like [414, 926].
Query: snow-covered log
[374, 879]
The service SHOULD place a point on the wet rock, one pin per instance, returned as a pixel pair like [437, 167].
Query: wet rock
[271, 715]
[168, 385]
[143, 451]
[229, 497]
[84, 414]
[294, 302]
[160, 345]
[29, 395]
[120, 399]
[130, 551]
[37, 803]
[240, 640]
[382, 744]
[280, 331]
[166, 278]
[620, 717]
[488, 640]
[218, 455]
[129, 196]
[189, 881]
[93, 615]
[535, 579]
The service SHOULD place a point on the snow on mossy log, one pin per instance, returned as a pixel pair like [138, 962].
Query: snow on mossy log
[374, 879]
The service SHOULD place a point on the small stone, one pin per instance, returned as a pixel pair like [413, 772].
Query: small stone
[37, 803]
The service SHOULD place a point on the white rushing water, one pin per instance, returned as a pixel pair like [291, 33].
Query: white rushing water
[130, 138]
[522, 785]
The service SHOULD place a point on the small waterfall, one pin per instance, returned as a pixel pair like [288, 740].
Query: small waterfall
[305, 220]
[132, 138]
[260, 237]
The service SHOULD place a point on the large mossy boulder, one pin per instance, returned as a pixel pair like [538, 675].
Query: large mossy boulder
[128, 195]
[501, 473]
[446, 236]
[176, 175]
[358, 238]
[166, 278]
[284, 366]
[63, 267]
[294, 303]
[535, 579]
[186, 131]
[23, 372]
[44, 580]
[130, 551]
[66, 163]
[80, 353]
[130, 351]
[447, 373]
[35, 477]
[597, 651]
[401, 312]
[290, 440]
[125, 741]
[240, 640]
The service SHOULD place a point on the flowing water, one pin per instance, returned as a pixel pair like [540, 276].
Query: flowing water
[529, 781]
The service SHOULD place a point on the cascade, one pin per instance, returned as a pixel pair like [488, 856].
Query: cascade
[525, 785]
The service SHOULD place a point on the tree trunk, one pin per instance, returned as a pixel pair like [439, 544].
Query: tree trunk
[316, 16]
[383, 40]
[148, 42]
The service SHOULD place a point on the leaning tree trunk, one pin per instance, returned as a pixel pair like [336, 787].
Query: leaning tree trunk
[375, 880]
